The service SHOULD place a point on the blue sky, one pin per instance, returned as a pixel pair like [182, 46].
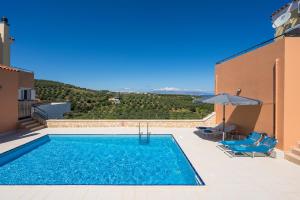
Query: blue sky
[141, 44]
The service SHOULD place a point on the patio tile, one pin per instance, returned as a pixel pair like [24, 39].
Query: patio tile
[225, 177]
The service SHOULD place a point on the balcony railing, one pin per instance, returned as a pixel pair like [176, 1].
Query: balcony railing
[256, 47]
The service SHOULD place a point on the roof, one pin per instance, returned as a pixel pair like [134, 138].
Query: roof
[283, 7]
[14, 69]
[4, 67]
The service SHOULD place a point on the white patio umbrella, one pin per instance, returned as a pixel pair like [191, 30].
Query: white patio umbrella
[227, 99]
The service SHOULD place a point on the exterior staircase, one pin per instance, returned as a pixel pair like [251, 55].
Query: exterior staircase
[294, 154]
[30, 124]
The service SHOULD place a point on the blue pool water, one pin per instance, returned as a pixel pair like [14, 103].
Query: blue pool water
[97, 160]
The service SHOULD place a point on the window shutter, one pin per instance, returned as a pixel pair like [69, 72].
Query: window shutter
[19, 94]
[28, 94]
[32, 97]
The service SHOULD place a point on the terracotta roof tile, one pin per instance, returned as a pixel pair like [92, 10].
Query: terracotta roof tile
[4, 67]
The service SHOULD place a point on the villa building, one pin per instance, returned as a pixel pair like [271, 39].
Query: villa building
[115, 100]
[268, 72]
[156, 153]
[16, 86]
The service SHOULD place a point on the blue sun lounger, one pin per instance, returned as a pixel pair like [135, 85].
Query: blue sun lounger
[266, 146]
[252, 139]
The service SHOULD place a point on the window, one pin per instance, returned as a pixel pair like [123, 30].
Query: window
[26, 94]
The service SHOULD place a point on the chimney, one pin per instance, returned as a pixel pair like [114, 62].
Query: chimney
[4, 20]
[5, 42]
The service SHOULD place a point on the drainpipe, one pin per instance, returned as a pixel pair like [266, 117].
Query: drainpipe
[275, 97]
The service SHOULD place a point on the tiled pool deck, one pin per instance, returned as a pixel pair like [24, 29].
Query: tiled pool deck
[225, 177]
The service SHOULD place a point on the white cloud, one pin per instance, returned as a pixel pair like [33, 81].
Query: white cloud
[169, 89]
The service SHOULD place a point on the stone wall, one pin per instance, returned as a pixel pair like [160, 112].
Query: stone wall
[207, 121]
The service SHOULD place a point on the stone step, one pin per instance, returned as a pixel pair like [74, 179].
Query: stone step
[27, 122]
[292, 157]
[296, 151]
[32, 125]
[37, 128]
[24, 120]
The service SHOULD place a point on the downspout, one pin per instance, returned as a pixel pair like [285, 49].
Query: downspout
[276, 97]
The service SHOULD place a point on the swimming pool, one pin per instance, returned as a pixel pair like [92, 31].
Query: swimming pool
[98, 160]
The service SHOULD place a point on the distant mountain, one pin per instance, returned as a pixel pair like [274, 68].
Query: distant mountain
[182, 92]
[168, 91]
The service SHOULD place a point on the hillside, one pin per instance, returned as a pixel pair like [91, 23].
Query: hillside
[93, 104]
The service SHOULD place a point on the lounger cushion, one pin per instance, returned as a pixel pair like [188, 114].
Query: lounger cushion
[202, 127]
[265, 146]
[252, 138]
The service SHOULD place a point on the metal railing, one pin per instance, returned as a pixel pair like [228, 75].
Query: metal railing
[255, 47]
[141, 140]
[40, 113]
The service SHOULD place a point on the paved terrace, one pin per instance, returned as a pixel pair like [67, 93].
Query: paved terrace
[225, 177]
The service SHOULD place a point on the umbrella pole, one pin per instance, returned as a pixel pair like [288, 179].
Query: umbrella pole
[223, 122]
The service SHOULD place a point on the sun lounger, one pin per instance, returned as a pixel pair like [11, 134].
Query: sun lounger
[218, 127]
[215, 131]
[252, 139]
[266, 146]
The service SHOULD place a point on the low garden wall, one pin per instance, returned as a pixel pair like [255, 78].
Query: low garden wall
[70, 123]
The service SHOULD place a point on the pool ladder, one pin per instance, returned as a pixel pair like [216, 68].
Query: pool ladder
[142, 138]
